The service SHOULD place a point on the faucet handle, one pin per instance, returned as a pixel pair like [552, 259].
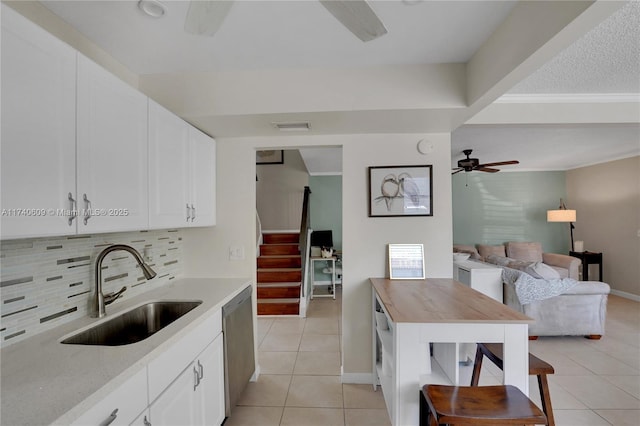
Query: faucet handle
[112, 297]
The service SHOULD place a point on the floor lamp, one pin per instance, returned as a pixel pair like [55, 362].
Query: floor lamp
[562, 214]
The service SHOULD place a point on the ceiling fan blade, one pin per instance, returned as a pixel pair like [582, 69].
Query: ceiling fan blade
[458, 170]
[206, 17]
[486, 169]
[357, 16]
[499, 163]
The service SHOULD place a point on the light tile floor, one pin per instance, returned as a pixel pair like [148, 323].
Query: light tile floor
[597, 382]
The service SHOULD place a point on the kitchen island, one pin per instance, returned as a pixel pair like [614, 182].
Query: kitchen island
[46, 382]
[426, 321]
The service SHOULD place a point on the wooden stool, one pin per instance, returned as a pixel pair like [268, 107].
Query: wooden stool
[477, 405]
[537, 367]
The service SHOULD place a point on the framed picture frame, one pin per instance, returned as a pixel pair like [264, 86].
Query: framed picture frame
[406, 261]
[272, 156]
[400, 191]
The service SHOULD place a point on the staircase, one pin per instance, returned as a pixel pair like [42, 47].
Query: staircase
[279, 274]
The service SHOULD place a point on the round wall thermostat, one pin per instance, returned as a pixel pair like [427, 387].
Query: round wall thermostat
[425, 146]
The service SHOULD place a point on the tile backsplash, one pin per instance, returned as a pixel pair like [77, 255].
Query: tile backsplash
[45, 282]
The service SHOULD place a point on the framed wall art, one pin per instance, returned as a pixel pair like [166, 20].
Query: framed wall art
[406, 261]
[400, 191]
[272, 156]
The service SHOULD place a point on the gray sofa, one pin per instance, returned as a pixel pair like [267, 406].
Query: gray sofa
[567, 266]
[579, 311]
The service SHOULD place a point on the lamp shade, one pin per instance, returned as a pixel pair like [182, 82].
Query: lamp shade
[562, 215]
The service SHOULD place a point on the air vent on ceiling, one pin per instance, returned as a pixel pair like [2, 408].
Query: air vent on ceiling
[302, 126]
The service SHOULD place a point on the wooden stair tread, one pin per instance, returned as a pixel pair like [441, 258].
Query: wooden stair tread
[283, 284]
[279, 269]
[279, 300]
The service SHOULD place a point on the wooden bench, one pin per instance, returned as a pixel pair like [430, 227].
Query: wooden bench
[537, 367]
[477, 405]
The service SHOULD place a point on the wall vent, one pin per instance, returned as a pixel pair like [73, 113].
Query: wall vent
[302, 126]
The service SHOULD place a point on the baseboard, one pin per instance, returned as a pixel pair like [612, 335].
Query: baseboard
[626, 295]
[357, 378]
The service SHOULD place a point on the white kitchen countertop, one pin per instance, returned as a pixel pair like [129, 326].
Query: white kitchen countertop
[44, 381]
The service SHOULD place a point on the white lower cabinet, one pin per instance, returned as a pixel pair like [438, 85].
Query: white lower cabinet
[196, 397]
[176, 405]
[122, 406]
[184, 385]
[210, 392]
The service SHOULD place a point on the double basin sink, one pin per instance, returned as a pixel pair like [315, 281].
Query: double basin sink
[134, 325]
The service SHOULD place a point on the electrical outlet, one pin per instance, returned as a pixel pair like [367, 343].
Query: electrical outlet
[236, 253]
[147, 254]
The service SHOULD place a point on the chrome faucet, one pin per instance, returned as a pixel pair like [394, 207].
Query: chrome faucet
[99, 300]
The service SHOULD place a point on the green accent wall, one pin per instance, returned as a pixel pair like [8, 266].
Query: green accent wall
[509, 206]
[326, 206]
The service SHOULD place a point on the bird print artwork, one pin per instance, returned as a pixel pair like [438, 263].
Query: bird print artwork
[400, 191]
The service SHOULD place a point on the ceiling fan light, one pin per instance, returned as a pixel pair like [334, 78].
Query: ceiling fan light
[152, 8]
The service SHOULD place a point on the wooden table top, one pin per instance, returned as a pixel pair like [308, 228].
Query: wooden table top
[441, 300]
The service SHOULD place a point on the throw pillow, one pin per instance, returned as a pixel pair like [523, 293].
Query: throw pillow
[486, 250]
[529, 252]
[471, 250]
[535, 269]
[544, 271]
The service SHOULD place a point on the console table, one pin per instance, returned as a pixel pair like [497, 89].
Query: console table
[588, 258]
[423, 324]
[332, 287]
[484, 277]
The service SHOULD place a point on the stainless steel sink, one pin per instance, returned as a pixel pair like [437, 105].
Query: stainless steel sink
[134, 325]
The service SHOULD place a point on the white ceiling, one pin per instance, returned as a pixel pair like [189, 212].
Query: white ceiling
[286, 35]
[283, 34]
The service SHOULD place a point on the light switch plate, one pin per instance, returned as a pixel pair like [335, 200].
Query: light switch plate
[236, 253]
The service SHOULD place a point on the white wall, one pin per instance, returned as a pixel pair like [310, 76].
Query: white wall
[364, 238]
[280, 192]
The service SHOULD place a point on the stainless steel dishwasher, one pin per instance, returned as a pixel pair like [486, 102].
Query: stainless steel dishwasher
[239, 360]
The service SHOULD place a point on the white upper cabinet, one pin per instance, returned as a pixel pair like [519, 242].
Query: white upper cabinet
[112, 152]
[83, 152]
[203, 178]
[168, 169]
[38, 130]
[182, 181]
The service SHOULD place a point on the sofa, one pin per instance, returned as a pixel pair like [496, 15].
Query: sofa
[579, 308]
[580, 311]
[567, 266]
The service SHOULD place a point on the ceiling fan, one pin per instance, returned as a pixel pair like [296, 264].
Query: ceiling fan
[206, 17]
[471, 164]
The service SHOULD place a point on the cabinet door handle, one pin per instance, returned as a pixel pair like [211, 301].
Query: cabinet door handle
[146, 422]
[188, 212]
[87, 208]
[110, 419]
[193, 213]
[73, 213]
[196, 381]
[201, 368]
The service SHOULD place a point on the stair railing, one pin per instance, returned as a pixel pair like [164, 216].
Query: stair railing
[258, 234]
[305, 240]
